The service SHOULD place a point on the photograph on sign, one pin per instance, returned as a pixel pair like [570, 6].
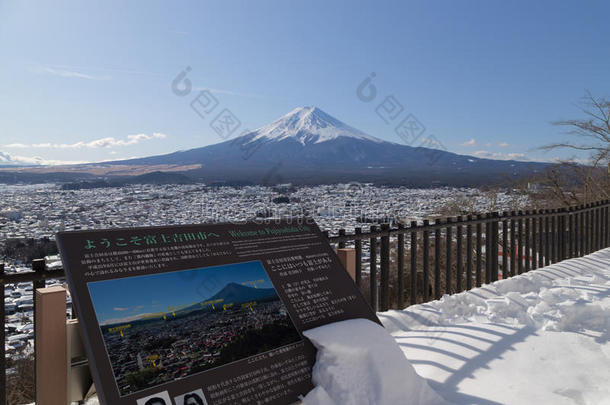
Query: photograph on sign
[191, 398]
[163, 327]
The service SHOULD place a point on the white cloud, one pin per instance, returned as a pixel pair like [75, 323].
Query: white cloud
[71, 74]
[7, 159]
[471, 142]
[503, 144]
[108, 142]
[501, 156]
[120, 309]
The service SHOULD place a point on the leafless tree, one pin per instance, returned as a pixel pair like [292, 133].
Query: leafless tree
[571, 182]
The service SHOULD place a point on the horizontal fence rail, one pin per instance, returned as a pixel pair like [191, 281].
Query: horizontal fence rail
[444, 257]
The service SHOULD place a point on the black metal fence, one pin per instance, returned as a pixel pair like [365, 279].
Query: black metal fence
[455, 254]
[444, 257]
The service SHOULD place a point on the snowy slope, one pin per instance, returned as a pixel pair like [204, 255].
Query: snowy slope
[308, 125]
[539, 338]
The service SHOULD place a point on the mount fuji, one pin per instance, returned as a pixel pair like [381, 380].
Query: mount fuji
[309, 146]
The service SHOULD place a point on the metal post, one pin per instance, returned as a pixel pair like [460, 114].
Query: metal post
[520, 243]
[459, 258]
[469, 254]
[488, 249]
[373, 269]
[581, 232]
[541, 251]
[505, 273]
[449, 263]
[413, 298]
[358, 247]
[494, 246]
[426, 261]
[547, 239]
[479, 257]
[527, 242]
[437, 260]
[341, 244]
[513, 245]
[534, 242]
[385, 268]
[553, 236]
[400, 261]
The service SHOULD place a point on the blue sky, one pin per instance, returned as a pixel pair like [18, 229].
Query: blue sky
[127, 298]
[91, 81]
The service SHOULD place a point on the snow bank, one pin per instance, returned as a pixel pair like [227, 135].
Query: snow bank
[359, 363]
[541, 337]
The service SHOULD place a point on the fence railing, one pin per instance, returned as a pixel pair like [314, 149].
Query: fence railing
[444, 257]
[452, 255]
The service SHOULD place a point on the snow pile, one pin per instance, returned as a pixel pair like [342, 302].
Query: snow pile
[541, 337]
[358, 362]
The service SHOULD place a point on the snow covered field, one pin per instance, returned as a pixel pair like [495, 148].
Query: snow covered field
[539, 338]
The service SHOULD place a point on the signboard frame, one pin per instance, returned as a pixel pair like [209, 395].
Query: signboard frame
[280, 276]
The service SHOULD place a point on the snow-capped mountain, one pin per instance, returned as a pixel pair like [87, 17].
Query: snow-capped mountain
[308, 125]
[309, 146]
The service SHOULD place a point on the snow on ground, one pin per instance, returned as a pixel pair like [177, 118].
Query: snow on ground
[539, 338]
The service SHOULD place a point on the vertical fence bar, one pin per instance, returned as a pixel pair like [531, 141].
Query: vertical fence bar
[589, 228]
[2, 345]
[358, 248]
[437, 260]
[513, 244]
[560, 235]
[459, 265]
[571, 233]
[547, 238]
[494, 246]
[341, 245]
[413, 298]
[581, 225]
[488, 249]
[505, 251]
[563, 236]
[385, 268]
[554, 236]
[426, 260]
[541, 251]
[520, 243]
[527, 242]
[593, 227]
[576, 232]
[559, 230]
[606, 225]
[400, 262]
[469, 254]
[598, 222]
[449, 263]
[479, 257]
[600, 226]
[534, 241]
[373, 268]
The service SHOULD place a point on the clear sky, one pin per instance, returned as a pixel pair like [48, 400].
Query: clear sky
[127, 298]
[91, 81]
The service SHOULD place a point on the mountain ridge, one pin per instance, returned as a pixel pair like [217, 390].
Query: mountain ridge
[309, 146]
